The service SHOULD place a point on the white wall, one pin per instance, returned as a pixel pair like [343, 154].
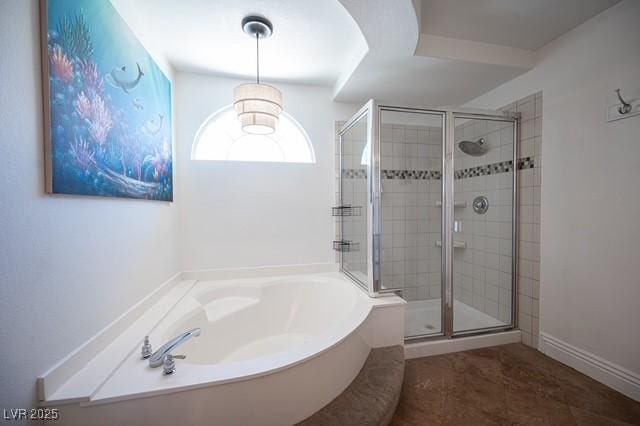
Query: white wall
[68, 265]
[251, 214]
[590, 238]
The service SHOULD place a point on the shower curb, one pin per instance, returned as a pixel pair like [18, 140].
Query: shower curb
[372, 397]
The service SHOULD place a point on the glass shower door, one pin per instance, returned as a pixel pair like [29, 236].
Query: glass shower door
[483, 222]
[411, 164]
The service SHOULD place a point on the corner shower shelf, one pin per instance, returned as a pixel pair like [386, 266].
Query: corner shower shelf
[346, 210]
[456, 244]
[344, 246]
[455, 204]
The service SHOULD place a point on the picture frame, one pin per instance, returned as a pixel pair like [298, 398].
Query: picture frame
[107, 106]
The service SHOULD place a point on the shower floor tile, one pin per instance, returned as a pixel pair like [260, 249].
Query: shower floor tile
[510, 384]
[424, 316]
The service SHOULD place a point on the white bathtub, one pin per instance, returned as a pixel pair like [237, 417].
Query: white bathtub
[281, 321]
[273, 350]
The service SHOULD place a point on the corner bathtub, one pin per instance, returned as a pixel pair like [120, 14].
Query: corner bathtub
[279, 321]
[272, 350]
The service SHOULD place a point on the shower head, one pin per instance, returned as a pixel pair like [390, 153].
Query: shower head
[473, 148]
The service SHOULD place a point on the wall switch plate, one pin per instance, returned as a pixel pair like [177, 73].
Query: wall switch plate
[613, 114]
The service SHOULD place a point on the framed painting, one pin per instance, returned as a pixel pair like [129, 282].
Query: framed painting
[107, 106]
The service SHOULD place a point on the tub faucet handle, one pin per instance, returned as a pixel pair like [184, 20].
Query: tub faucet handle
[169, 365]
[146, 348]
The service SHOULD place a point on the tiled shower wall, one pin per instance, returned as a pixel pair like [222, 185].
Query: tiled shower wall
[482, 269]
[529, 186]
[411, 163]
[411, 221]
[487, 266]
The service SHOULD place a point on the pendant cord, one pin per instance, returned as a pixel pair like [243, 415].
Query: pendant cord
[258, 57]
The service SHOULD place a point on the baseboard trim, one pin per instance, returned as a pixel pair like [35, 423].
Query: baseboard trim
[445, 346]
[619, 378]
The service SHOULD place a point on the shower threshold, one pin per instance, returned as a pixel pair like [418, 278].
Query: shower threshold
[423, 317]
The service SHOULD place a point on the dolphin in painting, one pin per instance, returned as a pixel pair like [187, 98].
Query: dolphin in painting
[150, 130]
[136, 103]
[126, 86]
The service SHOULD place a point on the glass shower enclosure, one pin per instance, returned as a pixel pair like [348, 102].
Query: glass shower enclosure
[428, 211]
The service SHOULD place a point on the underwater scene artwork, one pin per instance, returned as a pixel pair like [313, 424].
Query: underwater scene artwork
[107, 106]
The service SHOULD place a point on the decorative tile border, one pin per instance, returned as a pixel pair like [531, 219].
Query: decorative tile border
[411, 174]
[354, 173]
[525, 163]
[487, 169]
[492, 169]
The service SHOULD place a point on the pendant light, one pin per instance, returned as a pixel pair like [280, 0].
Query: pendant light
[258, 105]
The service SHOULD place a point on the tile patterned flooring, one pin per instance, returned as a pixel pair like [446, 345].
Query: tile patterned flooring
[506, 385]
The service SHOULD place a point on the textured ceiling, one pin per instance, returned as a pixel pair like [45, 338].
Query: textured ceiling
[312, 40]
[407, 52]
[525, 24]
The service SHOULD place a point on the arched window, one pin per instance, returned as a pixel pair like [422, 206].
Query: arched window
[221, 138]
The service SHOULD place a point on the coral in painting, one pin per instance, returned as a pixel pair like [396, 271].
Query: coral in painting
[93, 81]
[107, 139]
[82, 154]
[96, 115]
[83, 106]
[75, 36]
[60, 65]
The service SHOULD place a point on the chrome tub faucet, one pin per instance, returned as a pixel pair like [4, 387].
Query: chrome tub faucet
[158, 357]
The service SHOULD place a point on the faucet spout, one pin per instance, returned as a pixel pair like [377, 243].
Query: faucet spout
[157, 358]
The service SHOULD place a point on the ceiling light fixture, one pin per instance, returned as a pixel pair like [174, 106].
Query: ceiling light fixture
[258, 105]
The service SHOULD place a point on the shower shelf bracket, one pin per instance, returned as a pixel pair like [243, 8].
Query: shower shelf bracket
[456, 244]
[346, 210]
[345, 246]
[461, 204]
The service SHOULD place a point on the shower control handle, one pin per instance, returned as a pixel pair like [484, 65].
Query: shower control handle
[480, 204]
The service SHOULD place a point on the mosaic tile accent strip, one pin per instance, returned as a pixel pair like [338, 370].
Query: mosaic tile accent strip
[525, 163]
[354, 173]
[411, 174]
[484, 170]
[495, 168]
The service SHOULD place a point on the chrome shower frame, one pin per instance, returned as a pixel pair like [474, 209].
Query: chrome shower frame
[373, 287]
[372, 284]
